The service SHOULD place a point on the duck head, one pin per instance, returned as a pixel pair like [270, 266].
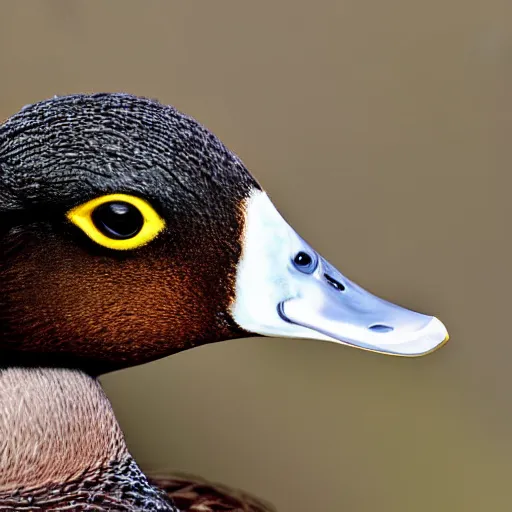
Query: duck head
[129, 232]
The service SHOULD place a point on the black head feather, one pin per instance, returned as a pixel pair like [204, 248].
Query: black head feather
[61, 152]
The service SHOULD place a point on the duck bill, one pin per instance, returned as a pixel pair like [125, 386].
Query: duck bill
[281, 292]
[332, 307]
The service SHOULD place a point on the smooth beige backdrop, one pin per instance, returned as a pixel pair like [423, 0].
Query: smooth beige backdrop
[382, 132]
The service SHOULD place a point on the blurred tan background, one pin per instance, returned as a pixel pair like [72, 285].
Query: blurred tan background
[382, 132]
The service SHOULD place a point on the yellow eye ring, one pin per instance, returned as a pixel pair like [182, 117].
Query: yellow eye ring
[151, 223]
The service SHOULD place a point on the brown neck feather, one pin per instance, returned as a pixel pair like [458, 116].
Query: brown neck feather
[54, 425]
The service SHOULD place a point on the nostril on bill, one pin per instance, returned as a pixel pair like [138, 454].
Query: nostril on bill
[380, 328]
[335, 284]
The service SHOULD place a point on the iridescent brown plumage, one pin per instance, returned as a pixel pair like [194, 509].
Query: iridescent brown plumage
[60, 153]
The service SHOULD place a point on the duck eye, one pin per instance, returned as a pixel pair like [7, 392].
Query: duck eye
[305, 262]
[118, 221]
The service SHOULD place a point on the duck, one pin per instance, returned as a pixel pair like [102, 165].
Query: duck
[129, 232]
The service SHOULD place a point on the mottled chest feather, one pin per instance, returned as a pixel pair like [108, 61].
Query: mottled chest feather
[120, 486]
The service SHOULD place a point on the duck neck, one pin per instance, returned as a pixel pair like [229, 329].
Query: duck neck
[55, 425]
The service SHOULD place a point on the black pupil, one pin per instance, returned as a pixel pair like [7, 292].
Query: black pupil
[303, 259]
[118, 220]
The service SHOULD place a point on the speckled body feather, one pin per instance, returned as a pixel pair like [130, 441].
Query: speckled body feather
[120, 486]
